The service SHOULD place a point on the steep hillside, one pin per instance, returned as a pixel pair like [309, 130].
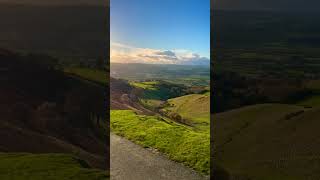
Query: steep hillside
[268, 141]
[47, 111]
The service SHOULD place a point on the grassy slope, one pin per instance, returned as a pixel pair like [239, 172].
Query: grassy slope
[21, 166]
[180, 143]
[260, 142]
[98, 76]
[312, 101]
[194, 107]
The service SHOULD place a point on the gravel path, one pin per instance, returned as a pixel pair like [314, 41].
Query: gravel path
[132, 162]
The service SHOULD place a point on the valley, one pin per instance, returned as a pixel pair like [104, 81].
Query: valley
[169, 115]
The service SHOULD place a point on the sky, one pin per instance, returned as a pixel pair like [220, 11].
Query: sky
[160, 31]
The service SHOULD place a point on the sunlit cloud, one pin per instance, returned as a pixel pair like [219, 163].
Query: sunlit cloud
[122, 53]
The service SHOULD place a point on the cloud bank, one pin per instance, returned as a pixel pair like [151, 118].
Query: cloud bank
[121, 53]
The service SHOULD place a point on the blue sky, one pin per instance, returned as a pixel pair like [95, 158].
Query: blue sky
[179, 26]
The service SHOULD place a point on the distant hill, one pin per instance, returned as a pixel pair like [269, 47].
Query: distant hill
[268, 141]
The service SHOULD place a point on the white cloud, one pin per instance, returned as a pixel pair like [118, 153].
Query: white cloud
[123, 53]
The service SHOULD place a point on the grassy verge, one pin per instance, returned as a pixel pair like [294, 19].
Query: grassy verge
[180, 143]
[22, 166]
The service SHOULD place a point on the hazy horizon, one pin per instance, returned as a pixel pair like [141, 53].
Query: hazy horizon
[161, 64]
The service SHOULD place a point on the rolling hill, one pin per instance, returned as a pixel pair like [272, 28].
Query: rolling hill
[268, 141]
[194, 108]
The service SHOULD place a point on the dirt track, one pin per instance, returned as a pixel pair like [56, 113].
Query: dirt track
[132, 162]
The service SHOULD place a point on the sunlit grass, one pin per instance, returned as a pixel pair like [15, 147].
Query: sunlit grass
[179, 142]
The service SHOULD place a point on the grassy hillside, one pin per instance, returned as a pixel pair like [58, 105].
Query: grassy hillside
[46, 166]
[181, 143]
[48, 111]
[94, 75]
[314, 99]
[268, 142]
[193, 107]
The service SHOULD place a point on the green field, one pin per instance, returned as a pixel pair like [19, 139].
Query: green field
[182, 74]
[159, 90]
[181, 143]
[23, 166]
[148, 85]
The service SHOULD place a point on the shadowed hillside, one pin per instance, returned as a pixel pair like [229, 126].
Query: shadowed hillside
[266, 91]
[271, 141]
[39, 103]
